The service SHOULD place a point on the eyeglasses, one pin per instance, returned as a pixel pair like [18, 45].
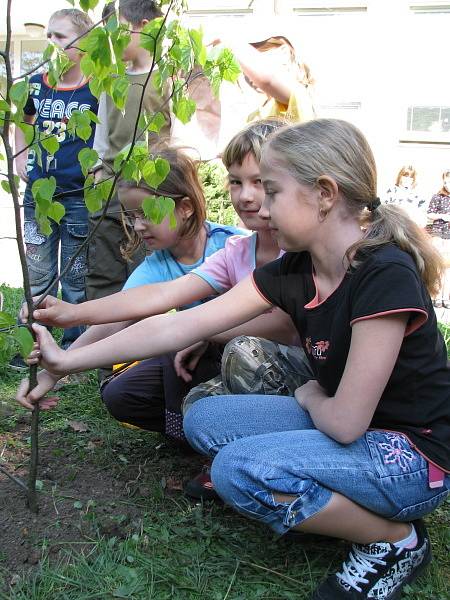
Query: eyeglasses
[130, 217]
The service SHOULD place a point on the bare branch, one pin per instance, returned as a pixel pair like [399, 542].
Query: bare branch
[15, 479]
[31, 489]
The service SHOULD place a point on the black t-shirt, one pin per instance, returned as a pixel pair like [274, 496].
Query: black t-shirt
[416, 400]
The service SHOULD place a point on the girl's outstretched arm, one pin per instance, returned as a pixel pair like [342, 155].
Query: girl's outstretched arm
[128, 305]
[373, 353]
[156, 335]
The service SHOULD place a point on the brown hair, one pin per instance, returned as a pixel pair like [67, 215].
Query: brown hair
[443, 191]
[407, 171]
[79, 19]
[135, 11]
[339, 150]
[181, 182]
[249, 141]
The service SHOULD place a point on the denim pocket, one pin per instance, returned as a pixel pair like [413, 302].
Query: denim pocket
[78, 230]
[393, 455]
[31, 233]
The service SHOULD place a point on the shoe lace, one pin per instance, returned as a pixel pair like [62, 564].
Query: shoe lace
[358, 564]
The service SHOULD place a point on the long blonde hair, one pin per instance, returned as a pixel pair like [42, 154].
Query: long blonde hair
[339, 150]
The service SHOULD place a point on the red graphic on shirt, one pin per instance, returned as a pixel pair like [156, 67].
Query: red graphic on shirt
[317, 350]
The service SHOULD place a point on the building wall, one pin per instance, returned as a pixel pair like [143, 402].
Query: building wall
[381, 64]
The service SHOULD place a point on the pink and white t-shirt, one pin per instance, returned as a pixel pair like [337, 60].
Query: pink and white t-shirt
[232, 263]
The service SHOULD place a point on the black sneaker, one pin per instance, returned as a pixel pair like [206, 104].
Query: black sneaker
[201, 487]
[378, 570]
[18, 364]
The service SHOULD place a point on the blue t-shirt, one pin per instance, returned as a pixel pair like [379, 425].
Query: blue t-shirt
[161, 266]
[52, 108]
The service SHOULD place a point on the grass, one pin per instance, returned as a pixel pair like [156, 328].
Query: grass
[174, 549]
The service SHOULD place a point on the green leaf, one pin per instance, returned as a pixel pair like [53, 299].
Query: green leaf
[19, 93]
[154, 122]
[44, 224]
[78, 505]
[184, 108]
[93, 117]
[199, 49]
[152, 35]
[25, 340]
[162, 167]
[50, 144]
[228, 65]
[5, 185]
[43, 190]
[4, 106]
[29, 132]
[87, 65]
[6, 320]
[88, 4]
[156, 208]
[104, 188]
[92, 195]
[87, 158]
[56, 211]
[84, 132]
[96, 45]
[119, 91]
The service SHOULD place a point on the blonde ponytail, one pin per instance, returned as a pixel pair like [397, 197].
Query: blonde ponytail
[338, 149]
[390, 224]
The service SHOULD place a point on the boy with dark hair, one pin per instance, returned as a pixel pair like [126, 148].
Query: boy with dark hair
[107, 269]
[50, 108]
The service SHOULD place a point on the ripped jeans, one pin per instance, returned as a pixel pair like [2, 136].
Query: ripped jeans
[45, 253]
[264, 446]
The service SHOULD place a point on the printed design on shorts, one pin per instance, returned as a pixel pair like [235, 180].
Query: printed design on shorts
[318, 350]
[396, 450]
[78, 266]
[32, 236]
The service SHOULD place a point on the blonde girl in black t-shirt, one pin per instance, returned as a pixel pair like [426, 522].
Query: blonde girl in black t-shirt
[361, 452]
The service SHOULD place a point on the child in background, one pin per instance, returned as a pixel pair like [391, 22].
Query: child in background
[406, 194]
[49, 108]
[107, 268]
[439, 227]
[362, 453]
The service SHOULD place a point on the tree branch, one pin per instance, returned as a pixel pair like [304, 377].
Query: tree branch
[32, 500]
[15, 479]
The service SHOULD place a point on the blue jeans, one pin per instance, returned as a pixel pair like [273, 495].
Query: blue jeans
[44, 253]
[267, 445]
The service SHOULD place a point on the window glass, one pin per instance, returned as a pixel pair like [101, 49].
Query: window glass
[31, 54]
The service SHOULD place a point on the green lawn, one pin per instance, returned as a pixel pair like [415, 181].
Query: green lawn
[142, 539]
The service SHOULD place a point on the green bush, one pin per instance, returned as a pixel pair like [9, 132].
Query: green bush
[218, 204]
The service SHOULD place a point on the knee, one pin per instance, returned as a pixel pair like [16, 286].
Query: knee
[238, 344]
[194, 427]
[114, 400]
[226, 474]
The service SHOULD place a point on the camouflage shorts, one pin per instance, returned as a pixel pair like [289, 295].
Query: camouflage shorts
[253, 365]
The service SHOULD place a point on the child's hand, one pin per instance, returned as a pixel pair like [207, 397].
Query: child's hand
[186, 360]
[45, 383]
[47, 353]
[52, 312]
[21, 166]
[309, 393]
